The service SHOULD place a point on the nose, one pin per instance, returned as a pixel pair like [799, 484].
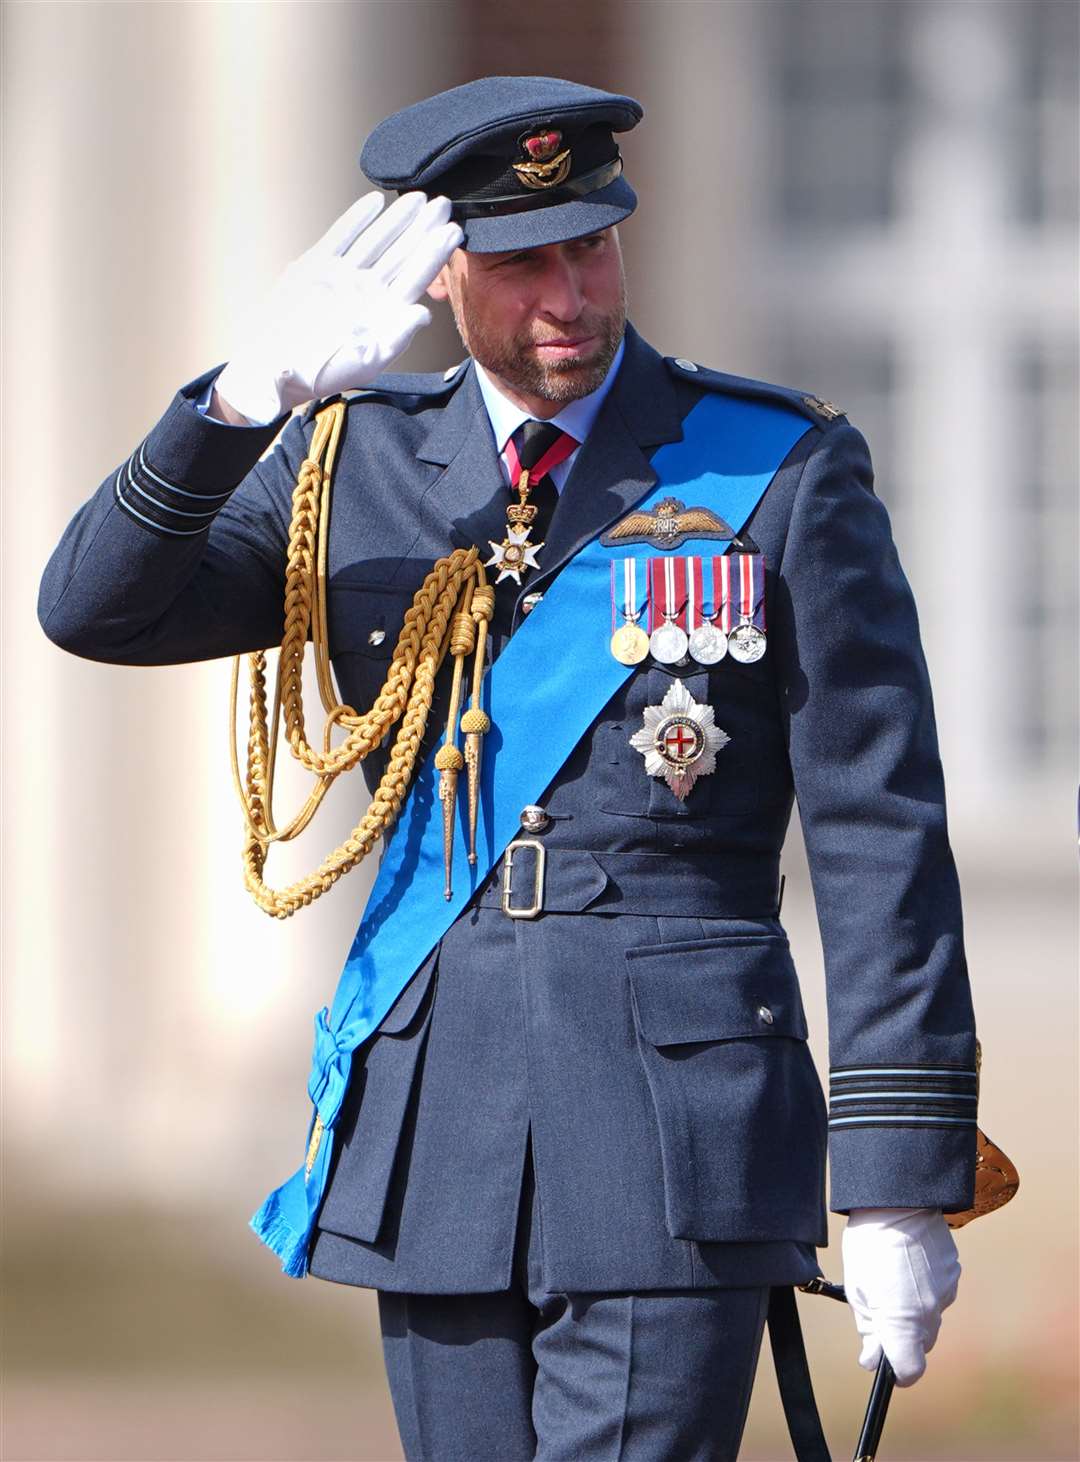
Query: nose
[564, 295]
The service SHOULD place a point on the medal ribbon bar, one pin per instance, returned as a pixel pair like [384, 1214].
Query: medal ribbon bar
[722, 590]
[752, 588]
[667, 598]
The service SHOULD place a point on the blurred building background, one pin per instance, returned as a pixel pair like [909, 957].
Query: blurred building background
[875, 200]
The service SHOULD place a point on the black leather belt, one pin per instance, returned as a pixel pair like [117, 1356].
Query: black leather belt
[533, 878]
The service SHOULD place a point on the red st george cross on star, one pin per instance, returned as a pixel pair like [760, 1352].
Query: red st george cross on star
[682, 742]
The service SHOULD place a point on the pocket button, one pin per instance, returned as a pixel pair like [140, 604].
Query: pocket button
[765, 1014]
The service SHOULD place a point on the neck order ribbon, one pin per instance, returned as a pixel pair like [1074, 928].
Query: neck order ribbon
[730, 452]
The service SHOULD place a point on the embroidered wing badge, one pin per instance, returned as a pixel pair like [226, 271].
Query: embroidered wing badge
[667, 526]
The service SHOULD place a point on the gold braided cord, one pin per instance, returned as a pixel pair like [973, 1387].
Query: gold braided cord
[454, 594]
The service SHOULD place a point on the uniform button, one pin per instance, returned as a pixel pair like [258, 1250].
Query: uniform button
[685, 365]
[376, 637]
[765, 1014]
[534, 819]
[529, 603]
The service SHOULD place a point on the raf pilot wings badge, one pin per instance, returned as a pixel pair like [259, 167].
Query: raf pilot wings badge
[666, 526]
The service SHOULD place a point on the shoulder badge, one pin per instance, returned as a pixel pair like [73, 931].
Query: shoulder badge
[825, 409]
[667, 526]
[813, 407]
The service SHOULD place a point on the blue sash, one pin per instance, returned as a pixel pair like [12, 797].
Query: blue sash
[730, 452]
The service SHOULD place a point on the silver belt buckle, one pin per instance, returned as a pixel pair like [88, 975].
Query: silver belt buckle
[538, 879]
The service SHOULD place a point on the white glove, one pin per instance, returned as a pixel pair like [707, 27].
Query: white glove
[341, 312]
[900, 1271]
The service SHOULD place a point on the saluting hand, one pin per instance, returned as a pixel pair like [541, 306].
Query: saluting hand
[341, 313]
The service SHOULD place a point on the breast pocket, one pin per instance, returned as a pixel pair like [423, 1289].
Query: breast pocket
[739, 1108]
[365, 621]
[732, 787]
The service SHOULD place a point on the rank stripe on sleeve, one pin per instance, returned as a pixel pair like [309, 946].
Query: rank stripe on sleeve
[730, 451]
[903, 1095]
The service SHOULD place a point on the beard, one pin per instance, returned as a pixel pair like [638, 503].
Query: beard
[514, 360]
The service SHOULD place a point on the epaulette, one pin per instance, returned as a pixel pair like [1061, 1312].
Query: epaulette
[408, 388]
[821, 413]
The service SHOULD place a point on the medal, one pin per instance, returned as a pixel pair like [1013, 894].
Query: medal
[668, 640]
[629, 643]
[668, 643]
[679, 740]
[747, 641]
[708, 645]
[515, 553]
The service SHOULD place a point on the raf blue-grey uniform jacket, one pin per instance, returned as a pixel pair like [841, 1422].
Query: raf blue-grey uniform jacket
[646, 1031]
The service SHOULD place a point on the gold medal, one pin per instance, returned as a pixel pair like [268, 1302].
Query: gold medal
[630, 644]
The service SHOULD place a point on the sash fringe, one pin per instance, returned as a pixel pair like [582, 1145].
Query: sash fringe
[278, 1234]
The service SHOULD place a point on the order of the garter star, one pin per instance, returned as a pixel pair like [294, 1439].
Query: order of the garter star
[679, 740]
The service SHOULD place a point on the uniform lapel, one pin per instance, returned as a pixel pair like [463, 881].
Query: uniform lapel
[612, 471]
[469, 498]
[466, 504]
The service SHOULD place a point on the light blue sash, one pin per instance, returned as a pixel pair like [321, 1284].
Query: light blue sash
[730, 452]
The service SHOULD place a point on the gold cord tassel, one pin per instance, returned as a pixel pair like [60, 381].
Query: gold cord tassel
[448, 759]
[430, 629]
[476, 721]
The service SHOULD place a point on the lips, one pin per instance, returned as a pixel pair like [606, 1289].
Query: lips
[564, 345]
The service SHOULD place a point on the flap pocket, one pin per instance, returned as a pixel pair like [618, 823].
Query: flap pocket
[366, 619]
[400, 1014]
[716, 989]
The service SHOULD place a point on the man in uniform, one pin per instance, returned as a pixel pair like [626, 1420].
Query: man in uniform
[580, 1149]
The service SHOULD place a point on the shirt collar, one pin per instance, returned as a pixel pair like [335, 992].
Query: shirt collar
[576, 417]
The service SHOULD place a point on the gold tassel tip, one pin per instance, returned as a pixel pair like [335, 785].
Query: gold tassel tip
[474, 723]
[449, 762]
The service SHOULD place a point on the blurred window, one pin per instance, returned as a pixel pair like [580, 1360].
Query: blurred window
[1046, 34]
[842, 91]
[1042, 622]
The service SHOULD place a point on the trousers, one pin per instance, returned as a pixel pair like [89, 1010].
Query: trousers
[523, 1374]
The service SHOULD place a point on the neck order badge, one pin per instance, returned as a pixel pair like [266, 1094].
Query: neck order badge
[730, 452]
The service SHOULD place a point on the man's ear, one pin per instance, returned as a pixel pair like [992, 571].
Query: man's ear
[439, 288]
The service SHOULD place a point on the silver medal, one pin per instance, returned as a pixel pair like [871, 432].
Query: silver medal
[668, 643]
[746, 643]
[708, 644]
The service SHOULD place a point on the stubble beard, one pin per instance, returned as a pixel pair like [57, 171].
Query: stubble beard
[513, 361]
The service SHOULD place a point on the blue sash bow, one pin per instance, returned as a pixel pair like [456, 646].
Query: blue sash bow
[730, 452]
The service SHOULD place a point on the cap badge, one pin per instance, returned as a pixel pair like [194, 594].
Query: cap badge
[679, 740]
[546, 166]
[668, 525]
